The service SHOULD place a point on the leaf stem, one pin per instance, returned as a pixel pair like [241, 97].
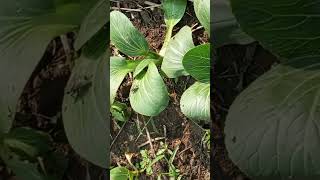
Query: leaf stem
[153, 55]
[166, 40]
[133, 64]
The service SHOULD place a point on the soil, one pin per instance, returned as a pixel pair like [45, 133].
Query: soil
[171, 127]
[235, 67]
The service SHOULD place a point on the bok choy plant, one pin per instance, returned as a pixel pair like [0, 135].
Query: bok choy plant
[178, 57]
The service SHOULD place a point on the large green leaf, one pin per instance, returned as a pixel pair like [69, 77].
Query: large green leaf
[180, 44]
[288, 28]
[30, 141]
[85, 109]
[119, 68]
[148, 94]
[202, 10]
[197, 62]
[173, 11]
[97, 17]
[225, 27]
[125, 36]
[26, 28]
[195, 102]
[272, 128]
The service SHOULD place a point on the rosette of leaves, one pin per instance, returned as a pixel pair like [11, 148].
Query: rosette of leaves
[26, 29]
[148, 94]
[272, 129]
[182, 58]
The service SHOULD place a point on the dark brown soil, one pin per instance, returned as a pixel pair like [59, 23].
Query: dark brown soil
[170, 126]
[230, 63]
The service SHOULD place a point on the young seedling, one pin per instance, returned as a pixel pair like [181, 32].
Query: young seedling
[120, 112]
[147, 162]
[205, 141]
[169, 155]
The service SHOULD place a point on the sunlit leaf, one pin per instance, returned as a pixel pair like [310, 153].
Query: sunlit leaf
[195, 102]
[119, 68]
[173, 11]
[142, 66]
[119, 173]
[148, 94]
[125, 36]
[202, 10]
[180, 44]
[197, 62]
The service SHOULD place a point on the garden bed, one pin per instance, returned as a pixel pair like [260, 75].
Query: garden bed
[170, 127]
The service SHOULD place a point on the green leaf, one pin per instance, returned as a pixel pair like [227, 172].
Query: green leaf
[173, 11]
[141, 66]
[195, 102]
[126, 37]
[202, 10]
[272, 128]
[85, 109]
[120, 111]
[148, 94]
[26, 28]
[30, 141]
[287, 28]
[179, 45]
[119, 173]
[119, 68]
[197, 62]
[97, 45]
[24, 170]
[97, 17]
[225, 27]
